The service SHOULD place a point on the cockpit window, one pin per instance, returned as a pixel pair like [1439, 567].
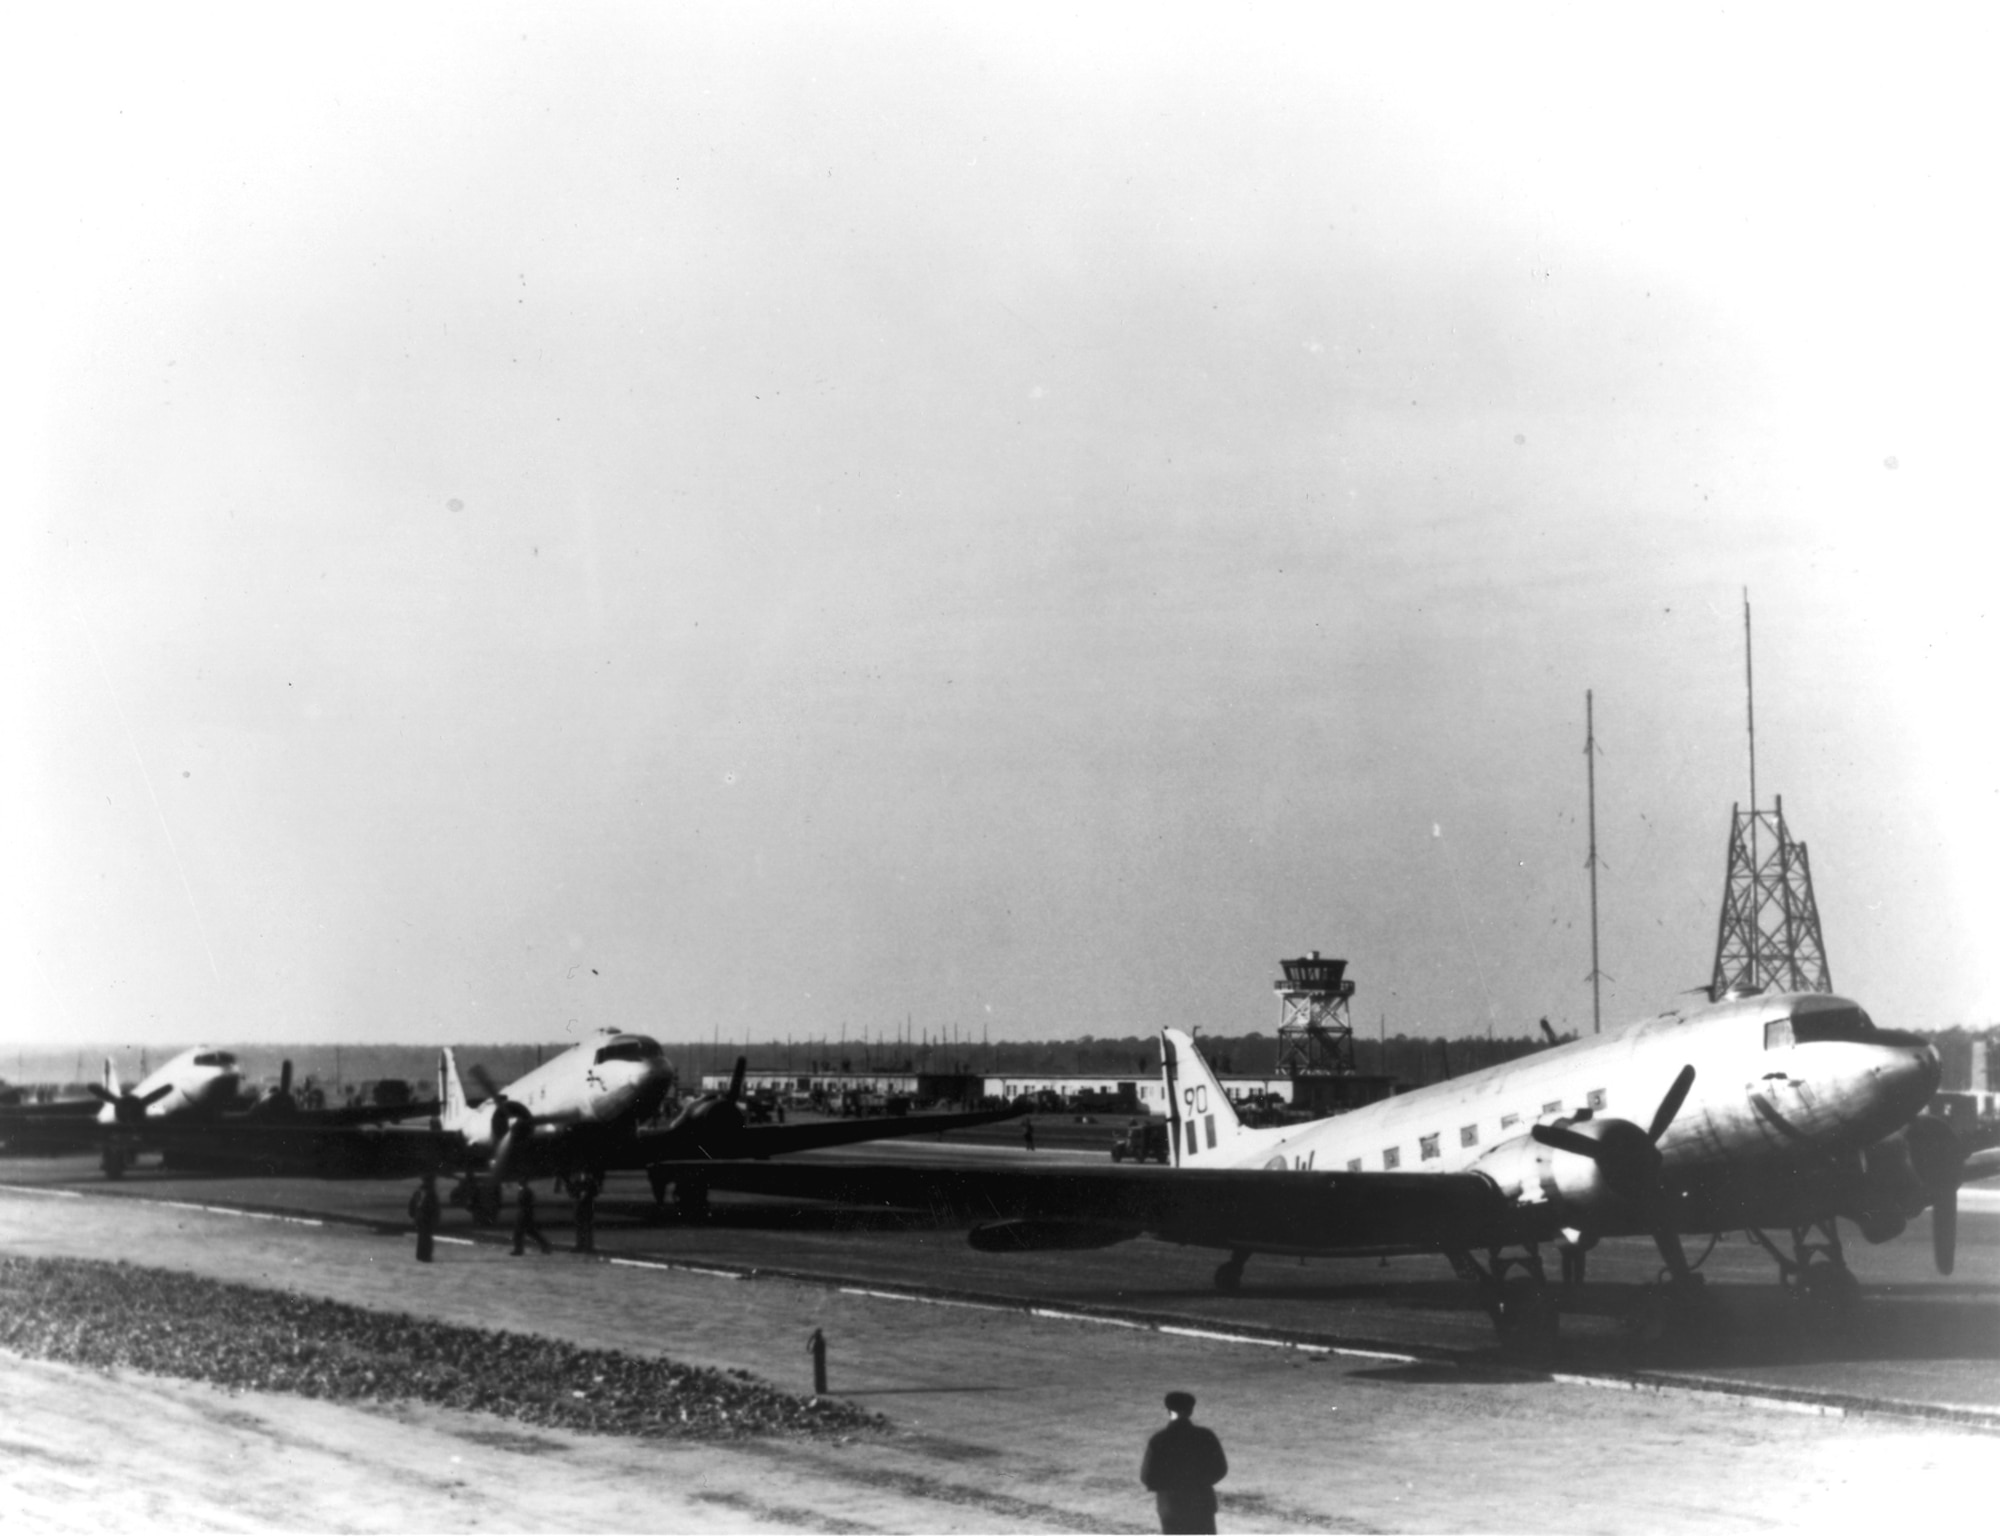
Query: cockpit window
[1777, 1034]
[1832, 1024]
[215, 1059]
[631, 1048]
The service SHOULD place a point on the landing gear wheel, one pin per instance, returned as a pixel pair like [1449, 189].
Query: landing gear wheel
[1229, 1274]
[1675, 1314]
[484, 1201]
[115, 1161]
[691, 1200]
[1825, 1298]
[1529, 1319]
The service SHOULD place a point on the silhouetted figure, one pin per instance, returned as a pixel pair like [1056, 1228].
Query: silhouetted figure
[586, 1214]
[1028, 1134]
[1183, 1463]
[424, 1212]
[524, 1222]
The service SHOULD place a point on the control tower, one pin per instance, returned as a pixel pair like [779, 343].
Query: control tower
[1316, 1038]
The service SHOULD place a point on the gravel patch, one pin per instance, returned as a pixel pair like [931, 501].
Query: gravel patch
[118, 1316]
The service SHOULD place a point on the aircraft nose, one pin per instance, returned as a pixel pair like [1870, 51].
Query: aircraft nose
[1911, 1071]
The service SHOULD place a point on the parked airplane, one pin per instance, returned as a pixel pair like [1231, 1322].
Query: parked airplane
[577, 1116]
[1767, 1113]
[199, 1082]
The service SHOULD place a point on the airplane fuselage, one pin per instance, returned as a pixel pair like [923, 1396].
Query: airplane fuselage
[1785, 1086]
[611, 1080]
[200, 1080]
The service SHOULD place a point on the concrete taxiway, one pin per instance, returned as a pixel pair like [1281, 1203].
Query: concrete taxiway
[1000, 1419]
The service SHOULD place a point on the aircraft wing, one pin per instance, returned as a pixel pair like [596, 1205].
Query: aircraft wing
[1086, 1206]
[64, 1125]
[341, 1114]
[725, 1140]
[308, 1149]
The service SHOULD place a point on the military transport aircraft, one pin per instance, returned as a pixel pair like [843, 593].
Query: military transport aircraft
[588, 1111]
[199, 1082]
[1770, 1113]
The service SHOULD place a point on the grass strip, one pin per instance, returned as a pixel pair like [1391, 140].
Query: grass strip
[119, 1316]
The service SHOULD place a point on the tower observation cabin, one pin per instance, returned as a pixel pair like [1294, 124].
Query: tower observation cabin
[1316, 1038]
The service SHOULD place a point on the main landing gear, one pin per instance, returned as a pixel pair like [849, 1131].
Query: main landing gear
[1229, 1273]
[690, 1195]
[1815, 1275]
[1514, 1289]
[479, 1196]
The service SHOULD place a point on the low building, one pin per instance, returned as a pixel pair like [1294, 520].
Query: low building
[917, 1087]
[1104, 1093]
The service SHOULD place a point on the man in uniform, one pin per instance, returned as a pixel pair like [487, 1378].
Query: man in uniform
[424, 1212]
[1183, 1463]
[524, 1222]
[586, 1213]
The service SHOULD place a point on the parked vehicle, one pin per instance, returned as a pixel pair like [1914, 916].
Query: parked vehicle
[1148, 1139]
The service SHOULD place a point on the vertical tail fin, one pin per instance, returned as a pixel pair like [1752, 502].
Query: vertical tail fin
[1201, 1121]
[108, 1094]
[453, 1112]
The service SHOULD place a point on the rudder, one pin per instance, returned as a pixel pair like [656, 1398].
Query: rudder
[1202, 1123]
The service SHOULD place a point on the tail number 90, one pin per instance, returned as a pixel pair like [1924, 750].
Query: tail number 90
[1196, 1098]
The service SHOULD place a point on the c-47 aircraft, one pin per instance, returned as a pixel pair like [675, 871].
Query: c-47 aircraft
[576, 1117]
[1769, 1113]
[199, 1083]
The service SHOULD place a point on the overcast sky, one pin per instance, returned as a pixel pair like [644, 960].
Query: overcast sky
[750, 521]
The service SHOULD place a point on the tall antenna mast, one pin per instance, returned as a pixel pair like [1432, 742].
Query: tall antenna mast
[1750, 697]
[1769, 933]
[1750, 715]
[1590, 765]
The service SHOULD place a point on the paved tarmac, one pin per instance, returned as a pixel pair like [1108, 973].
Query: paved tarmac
[1002, 1420]
[1917, 1338]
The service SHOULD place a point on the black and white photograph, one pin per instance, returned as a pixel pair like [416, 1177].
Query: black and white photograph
[913, 768]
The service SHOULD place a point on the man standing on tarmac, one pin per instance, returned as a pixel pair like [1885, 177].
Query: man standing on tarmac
[524, 1222]
[1183, 1464]
[424, 1212]
[586, 1213]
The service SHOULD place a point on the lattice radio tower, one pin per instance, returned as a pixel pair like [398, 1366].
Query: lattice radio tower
[1769, 934]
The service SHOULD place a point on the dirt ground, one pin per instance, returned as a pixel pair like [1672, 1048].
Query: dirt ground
[1000, 1421]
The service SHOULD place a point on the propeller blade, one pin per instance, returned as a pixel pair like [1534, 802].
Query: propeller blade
[512, 1125]
[1671, 1104]
[1566, 1140]
[736, 1079]
[1939, 1160]
[104, 1095]
[1549, 1033]
[1944, 1230]
[285, 1078]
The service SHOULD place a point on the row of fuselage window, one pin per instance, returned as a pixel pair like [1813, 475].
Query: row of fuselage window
[1432, 1146]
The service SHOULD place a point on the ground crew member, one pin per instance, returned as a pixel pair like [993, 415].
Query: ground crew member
[1183, 1463]
[1028, 1134]
[586, 1213]
[424, 1212]
[524, 1222]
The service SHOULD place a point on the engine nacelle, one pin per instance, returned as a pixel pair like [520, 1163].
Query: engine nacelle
[1899, 1177]
[1603, 1194]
